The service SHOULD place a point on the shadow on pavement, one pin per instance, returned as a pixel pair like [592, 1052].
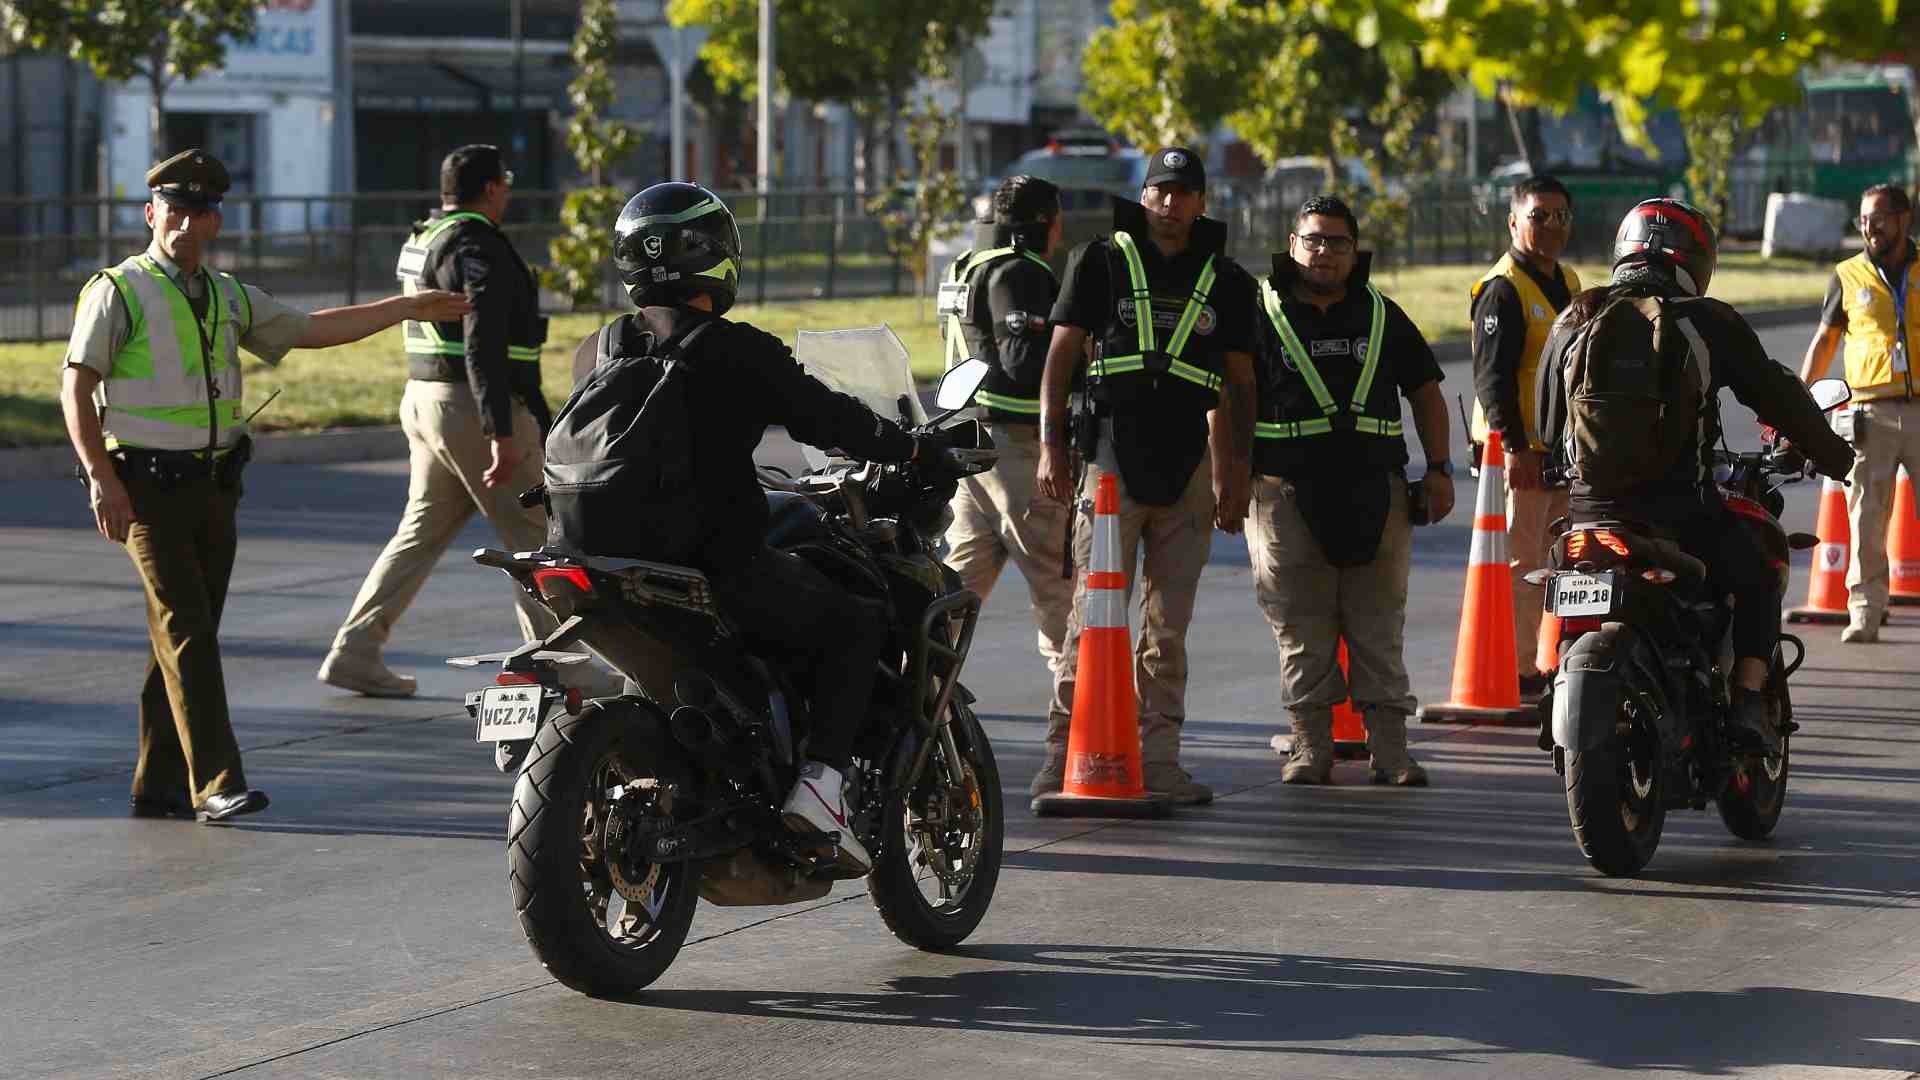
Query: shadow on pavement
[1305, 1004]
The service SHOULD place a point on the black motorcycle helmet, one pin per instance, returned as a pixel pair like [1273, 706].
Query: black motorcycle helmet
[674, 240]
[1669, 234]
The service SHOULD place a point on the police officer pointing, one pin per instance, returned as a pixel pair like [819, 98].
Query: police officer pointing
[1171, 389]
[151, 394]
[994, 307]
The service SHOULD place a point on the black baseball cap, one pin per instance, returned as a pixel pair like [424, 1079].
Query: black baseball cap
[1177, 163]
[190, 178]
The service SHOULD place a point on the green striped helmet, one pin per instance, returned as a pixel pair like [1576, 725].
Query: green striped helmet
[674, 240]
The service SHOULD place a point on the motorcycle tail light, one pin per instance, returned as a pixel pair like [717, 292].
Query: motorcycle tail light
[1611, 542]
[514, 678]
[550, 581]
[1588, 541]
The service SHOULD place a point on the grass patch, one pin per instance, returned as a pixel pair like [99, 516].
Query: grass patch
[360, 384]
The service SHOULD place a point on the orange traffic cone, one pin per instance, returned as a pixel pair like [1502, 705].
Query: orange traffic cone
[1903, 544]
[1349, 731]
[1827, 584]
[1486, 680]
[1103, 741]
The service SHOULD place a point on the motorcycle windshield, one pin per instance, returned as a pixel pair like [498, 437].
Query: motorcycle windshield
[869, 363]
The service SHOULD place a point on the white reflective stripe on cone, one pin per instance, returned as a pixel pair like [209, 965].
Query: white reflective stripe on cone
[1489, 548]
[1105, 558]
[1106, 609]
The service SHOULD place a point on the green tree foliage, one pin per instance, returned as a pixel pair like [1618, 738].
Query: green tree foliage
[580, 254]
[160, 41]
[929, 205]
[834, 50]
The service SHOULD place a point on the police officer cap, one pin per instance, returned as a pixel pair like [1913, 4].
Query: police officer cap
[190, 178]
[1177, 164]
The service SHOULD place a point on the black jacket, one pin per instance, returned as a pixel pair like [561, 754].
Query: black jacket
[742, 380]
[1736, 361]
[1007, 327]
[476, 258]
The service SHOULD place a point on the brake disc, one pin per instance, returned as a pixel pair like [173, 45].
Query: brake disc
[634, 879]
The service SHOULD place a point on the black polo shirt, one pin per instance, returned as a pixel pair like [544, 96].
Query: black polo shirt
[1336, 341]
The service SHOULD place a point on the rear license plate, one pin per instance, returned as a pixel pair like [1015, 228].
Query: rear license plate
[508, 712]
[1582, 594]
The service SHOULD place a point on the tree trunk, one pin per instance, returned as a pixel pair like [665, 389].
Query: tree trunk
[157, 118]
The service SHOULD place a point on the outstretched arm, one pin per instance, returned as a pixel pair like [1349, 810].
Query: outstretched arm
[338, 326]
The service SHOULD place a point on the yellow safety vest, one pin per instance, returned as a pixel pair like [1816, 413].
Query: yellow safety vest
[425, 338]
[951, 306]
[1539, 313]
[1878, 348]
[175, 384]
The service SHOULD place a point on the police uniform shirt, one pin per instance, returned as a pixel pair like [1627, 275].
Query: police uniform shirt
[1336, 342]
[1833, 310]
[1019, 297]
[1499, 345]
[1158, 424]
[101, 324]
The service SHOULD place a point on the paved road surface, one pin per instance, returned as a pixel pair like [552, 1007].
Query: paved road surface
[361, 927]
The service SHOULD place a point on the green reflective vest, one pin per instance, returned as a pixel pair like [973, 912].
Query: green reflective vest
[424, 338]
[1326, 423]
[1149, 358]
[175, 384]
[955, 298]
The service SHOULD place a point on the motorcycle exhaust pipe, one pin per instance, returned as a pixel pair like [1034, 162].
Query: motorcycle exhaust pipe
[695, 731]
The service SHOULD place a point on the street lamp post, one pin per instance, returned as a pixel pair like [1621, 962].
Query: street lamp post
[764, 148]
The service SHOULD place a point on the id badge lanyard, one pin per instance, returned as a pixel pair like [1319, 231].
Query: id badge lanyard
[1899, 314]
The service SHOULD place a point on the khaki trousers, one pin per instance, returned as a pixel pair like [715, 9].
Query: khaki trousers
[1177, 540]
[1528, 515]
[1886, 435]
[1000, 516]
[1312, 604]
[448, 455]
[182, 544]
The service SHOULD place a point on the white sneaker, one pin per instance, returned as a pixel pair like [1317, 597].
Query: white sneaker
[817, 803]
[1861, 633]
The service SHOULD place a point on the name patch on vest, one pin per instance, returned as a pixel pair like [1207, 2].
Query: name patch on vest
[1330, 347]
[1166, 314]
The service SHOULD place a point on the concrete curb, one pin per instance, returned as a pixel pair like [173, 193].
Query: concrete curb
[389, 443]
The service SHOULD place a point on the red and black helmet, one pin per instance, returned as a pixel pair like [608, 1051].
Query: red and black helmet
[1671, 234]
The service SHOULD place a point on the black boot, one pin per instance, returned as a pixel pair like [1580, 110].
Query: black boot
[1751, 725]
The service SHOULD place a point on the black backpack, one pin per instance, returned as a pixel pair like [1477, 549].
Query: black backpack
[619, 472]
[1636, 396]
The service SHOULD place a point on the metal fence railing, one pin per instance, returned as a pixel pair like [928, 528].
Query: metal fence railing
[323, 250]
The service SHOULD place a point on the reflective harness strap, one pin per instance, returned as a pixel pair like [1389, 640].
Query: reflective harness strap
[1143, 323]
[1294, 429]
[424, 338]
[962, 272]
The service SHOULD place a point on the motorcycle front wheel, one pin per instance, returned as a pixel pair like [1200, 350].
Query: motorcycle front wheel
[1616, 802]
[940, 843]
[600, 920]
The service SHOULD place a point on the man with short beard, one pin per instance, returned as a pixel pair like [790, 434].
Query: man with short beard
[1330, 533]
[1870, 305]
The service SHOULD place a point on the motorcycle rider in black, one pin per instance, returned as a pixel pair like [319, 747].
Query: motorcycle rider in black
[1665, 248]
[678, 252]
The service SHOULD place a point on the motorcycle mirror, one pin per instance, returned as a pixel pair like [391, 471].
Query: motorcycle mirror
[957, 386]
[1830, 394]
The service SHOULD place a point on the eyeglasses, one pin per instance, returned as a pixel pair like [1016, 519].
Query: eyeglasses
[505, 177]
[1338, 245]
[1550, 217]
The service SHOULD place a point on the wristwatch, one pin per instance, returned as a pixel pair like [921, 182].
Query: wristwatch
[1444, 468]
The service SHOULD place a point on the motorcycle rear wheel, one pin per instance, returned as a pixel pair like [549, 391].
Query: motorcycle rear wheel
[1616, 802]
[940, 846]
[599, 921]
